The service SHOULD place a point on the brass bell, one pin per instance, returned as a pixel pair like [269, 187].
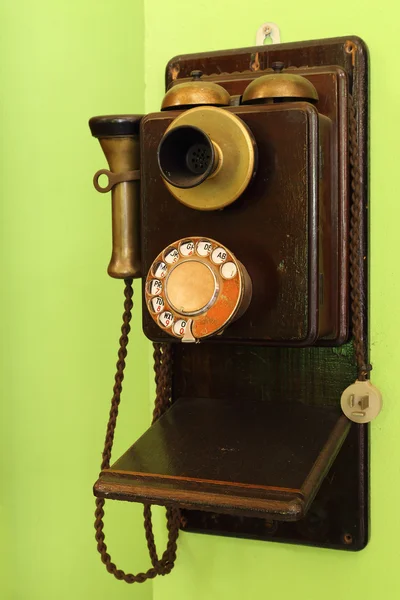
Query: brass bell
[194, 93]
[279, 87]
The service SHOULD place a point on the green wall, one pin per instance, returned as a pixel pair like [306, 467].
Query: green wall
[61, 63]
[212, 567]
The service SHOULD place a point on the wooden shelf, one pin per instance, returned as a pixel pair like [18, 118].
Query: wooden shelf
[250, 458]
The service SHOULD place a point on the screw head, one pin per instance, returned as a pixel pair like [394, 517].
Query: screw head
[278, 66]
[196, 75]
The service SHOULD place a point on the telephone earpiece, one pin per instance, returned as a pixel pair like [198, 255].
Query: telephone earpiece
[119, 138]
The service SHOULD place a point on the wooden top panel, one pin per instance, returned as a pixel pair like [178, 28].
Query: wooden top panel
[334, 51]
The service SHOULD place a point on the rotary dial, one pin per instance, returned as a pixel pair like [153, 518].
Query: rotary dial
[195, 288]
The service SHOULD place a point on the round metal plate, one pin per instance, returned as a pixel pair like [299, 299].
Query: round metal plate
[237, 147]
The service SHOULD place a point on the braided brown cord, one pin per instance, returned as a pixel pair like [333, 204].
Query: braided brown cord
[162, 356]
[356, 250]
[162, 368]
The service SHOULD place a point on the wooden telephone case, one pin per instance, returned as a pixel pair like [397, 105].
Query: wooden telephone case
[254, 443]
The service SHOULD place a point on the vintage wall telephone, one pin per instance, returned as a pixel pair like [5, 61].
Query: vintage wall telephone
[242, 206]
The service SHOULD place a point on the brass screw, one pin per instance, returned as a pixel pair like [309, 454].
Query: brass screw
[196, 75]
[347, 539]
[183, 521]
[278, 66]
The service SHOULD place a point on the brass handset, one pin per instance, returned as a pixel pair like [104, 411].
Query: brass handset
[119, 138]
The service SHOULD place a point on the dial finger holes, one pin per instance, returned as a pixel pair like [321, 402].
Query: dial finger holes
[166, 319]
[171, 255]
[154, 287]
[156, 304]
[219, 256]
[194, 288]
[187, 248]
[228, 270]
[204, 248]
[179, 327]
[160, 270]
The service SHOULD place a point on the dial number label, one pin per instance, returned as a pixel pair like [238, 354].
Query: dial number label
[154, 287]
[228, 270]
[219, 256]
[187, 248]
[157, 304]
[204, 248]
[179, 327]
[171, 256]
[160, 270]
[166, 319]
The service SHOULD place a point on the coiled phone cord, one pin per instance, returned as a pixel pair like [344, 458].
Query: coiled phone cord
[162, 367]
